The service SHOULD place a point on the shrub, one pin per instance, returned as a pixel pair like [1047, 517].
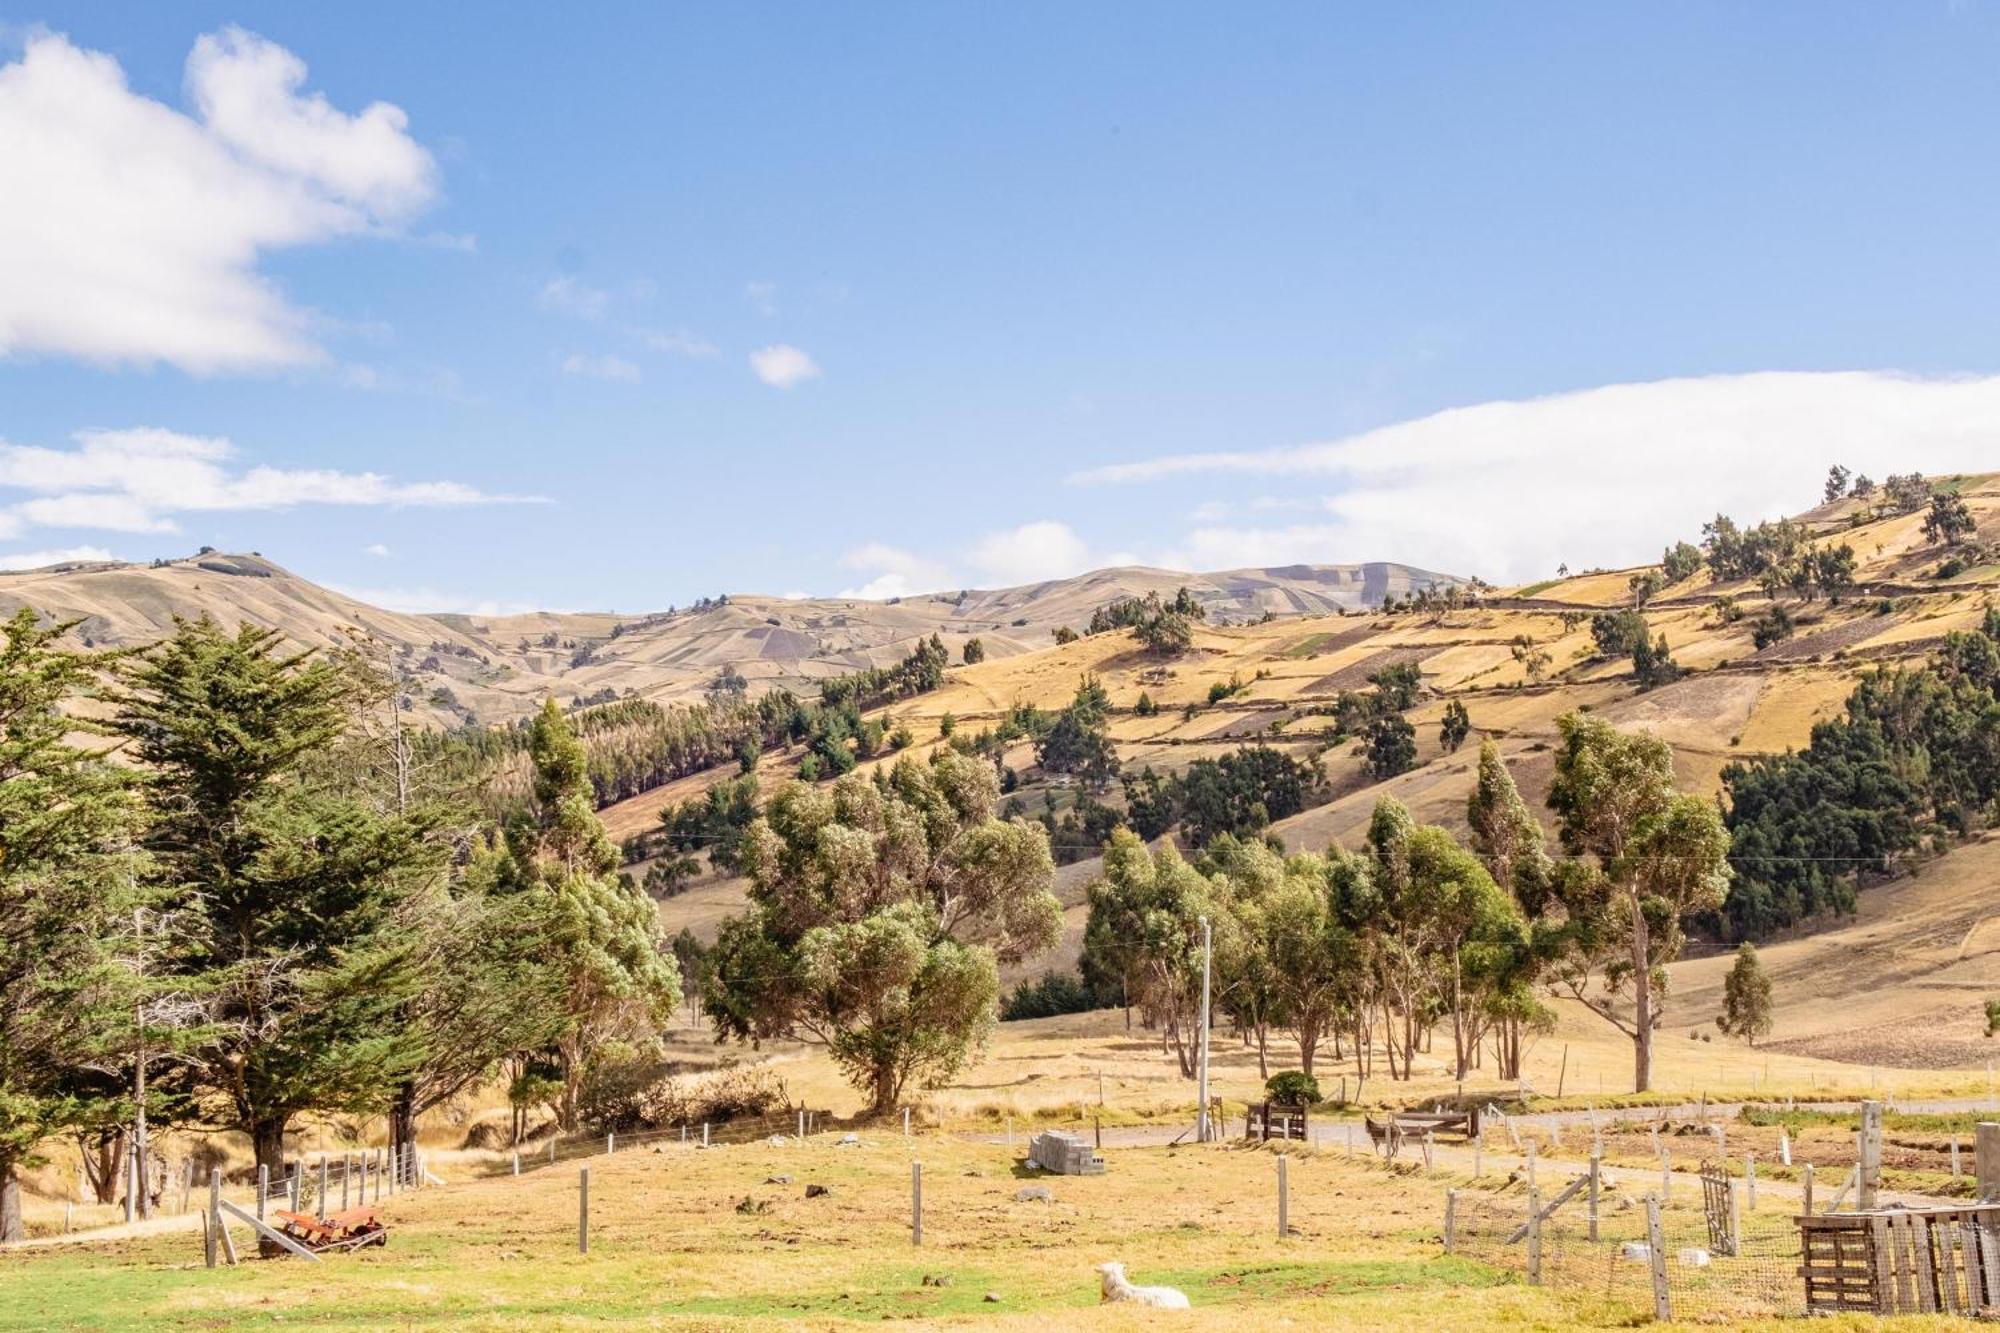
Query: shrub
[1292, 1087]
[1048, 996]
[1992, 1016]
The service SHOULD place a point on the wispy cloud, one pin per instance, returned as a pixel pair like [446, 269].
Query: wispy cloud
[674, 342]
[18, 560]
[571, 297]
[1602, 476]
[894, 572]
[604, 367]
[137, 480]
[783, 366]
[762, 296]
[133, 231]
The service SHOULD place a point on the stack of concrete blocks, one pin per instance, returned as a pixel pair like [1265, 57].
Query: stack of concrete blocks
[1065, 1154]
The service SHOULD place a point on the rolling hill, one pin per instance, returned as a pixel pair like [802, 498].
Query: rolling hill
[459, 668]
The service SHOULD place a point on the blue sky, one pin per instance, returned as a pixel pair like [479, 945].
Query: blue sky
[683, 299]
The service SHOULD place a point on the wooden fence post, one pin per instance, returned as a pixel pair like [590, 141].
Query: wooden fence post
[1596, 1176]
[1450, 1221]
[1750, 1180]
[552, 1147]
[1666, 1174]
[319, 1204]
[1807, 1174]
[1735, 1219]
[517, 1161]
[583, 1210]
[1986, 1160]
[214, 1218]
[263, 1188]
[1284, 1199]
[906, 1120]
[296, 1170]
[1534, 1236]
[1656, 1246]
[1870, 1155]
[916, 1203]
[1478, 1153]
[610, 1143]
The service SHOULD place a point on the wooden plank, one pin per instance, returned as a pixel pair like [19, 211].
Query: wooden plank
[1884, 1267]
[272, 1233]
[1917, 1238]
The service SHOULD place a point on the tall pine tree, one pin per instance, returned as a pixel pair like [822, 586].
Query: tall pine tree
[66, 896]
[289, 889]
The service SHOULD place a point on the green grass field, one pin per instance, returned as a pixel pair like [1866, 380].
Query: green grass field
[686, 1238]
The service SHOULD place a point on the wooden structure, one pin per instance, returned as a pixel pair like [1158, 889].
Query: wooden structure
[1064, 1153]
[1266, 1121]
[348, 1230]
[1720, 1209]
[1418, 1126]
[1942, 1260]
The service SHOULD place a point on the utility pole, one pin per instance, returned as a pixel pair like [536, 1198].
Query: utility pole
[1203, 1130]
[141, 1167]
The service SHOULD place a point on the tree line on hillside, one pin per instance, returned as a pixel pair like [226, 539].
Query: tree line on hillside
[635, 745]
[1913, 762]
[276, 909]
[1415, 931]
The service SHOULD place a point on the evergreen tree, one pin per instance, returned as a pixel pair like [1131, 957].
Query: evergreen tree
[880, 911]
[1949, 519]
[974, 652]
[290, 892]
[1392, 746]
[593, 928]
[67, 895]
[1457, 725]
[1746, 997]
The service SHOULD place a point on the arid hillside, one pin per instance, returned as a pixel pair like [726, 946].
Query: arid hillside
[1516, 662]
[459, 668]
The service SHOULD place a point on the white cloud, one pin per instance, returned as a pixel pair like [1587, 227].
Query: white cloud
[133, 231]
[675, 342]
[781, 365]
[606, 367]
[573, 298]
[1030, 553]
[376, 549]
[1601, 476]
[15, 560]
[136, 480]
[762, 295]
[424, 600]
[897, 572]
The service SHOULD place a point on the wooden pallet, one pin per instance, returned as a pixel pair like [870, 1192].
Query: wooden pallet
[1902, 1261]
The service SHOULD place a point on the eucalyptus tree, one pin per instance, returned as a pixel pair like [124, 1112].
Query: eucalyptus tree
[1645, 858]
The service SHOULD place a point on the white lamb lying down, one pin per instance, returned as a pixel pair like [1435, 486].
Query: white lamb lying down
[1116, 1288]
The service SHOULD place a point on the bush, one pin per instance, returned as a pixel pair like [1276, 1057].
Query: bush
[1992, 1017]
[1048, 996]
[636, 1094]
[1292, 1087]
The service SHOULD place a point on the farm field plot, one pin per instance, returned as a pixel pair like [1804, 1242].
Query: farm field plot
[703, 1239]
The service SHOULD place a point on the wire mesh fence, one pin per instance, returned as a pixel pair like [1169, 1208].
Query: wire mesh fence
[1675, 1260]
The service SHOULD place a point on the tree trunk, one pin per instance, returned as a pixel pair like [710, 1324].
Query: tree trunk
[1308, 1031]
[403, 1119]
[1642, 1003]
[887, 1085]
[1263, 1053]
[267, 1139]
[11, 1226]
